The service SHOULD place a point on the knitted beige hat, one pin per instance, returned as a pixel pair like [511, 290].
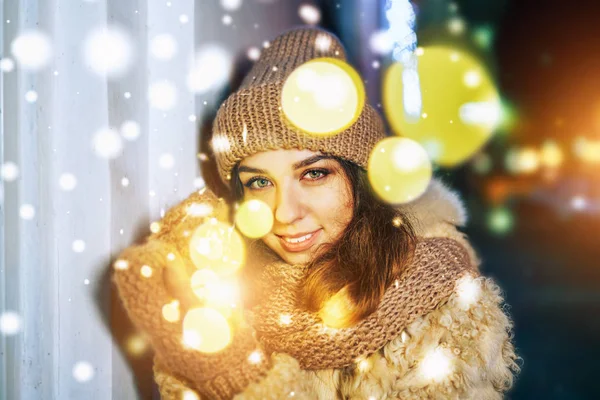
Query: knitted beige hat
[251, 121]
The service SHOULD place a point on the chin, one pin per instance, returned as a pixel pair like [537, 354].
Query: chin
[295, 258]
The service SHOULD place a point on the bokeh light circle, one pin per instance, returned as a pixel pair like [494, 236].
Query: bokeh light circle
[323, 96]
[254, 218]
[218, 246]
[399, 170]
[206, 330]
[461, 107]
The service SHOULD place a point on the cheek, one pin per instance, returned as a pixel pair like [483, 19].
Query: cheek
[335, 207]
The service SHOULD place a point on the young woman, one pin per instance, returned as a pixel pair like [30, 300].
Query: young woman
[407, 314]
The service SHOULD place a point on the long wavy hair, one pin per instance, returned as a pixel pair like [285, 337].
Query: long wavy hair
[374, 248]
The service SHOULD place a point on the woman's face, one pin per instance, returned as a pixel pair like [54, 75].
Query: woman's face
[307, 192]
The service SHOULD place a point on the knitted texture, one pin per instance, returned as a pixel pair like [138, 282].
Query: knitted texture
[425, 284]
[217, 376]
[251, 120]
[421, 287]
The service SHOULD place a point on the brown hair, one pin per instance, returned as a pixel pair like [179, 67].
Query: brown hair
[374, 248]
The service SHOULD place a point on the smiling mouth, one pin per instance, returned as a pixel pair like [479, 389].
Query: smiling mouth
[299, 244]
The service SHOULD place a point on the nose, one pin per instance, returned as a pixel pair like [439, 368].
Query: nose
[289, 205]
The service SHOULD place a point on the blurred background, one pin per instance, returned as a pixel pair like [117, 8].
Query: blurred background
[101, 132]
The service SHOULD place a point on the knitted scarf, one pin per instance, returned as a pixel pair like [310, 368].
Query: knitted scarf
[424, 285]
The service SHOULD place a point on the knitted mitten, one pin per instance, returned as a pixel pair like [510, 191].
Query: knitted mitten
[139, 275]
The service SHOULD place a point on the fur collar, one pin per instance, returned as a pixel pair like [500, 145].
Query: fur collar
[438, 205]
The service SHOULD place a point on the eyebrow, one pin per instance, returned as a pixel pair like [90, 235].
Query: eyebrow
[300, 164]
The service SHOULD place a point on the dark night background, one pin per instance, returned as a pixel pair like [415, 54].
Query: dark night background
[545, 58]
[548, 265]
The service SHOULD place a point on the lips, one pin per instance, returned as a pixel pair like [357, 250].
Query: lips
[297, 247]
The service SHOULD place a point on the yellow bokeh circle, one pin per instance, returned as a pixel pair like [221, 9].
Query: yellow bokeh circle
[217, 292]
[206, 330]
[399, 170]
[170, 311]
[202, 281]
[323, 96]
[218, 246]
[460, 110]
[254, 218]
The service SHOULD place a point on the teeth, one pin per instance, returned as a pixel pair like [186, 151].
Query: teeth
[299, 240]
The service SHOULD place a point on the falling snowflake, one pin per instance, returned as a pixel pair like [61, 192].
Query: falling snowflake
[162, 95]
[83, 371]
[31, 96]
[309, 14]
[9, 171]
[7, 65]
[253, 53]
[10, 323]
[108, 51]
[26, 211]
[227, 20]
[78, 246]
[210, 69]
[231, 5]
[166, 161]
[32, 50]
[163, 46]
[107, 143]
[381, 42]
[130, 130]
[67, 182]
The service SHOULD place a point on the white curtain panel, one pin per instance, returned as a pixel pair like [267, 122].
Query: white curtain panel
[98, 137]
